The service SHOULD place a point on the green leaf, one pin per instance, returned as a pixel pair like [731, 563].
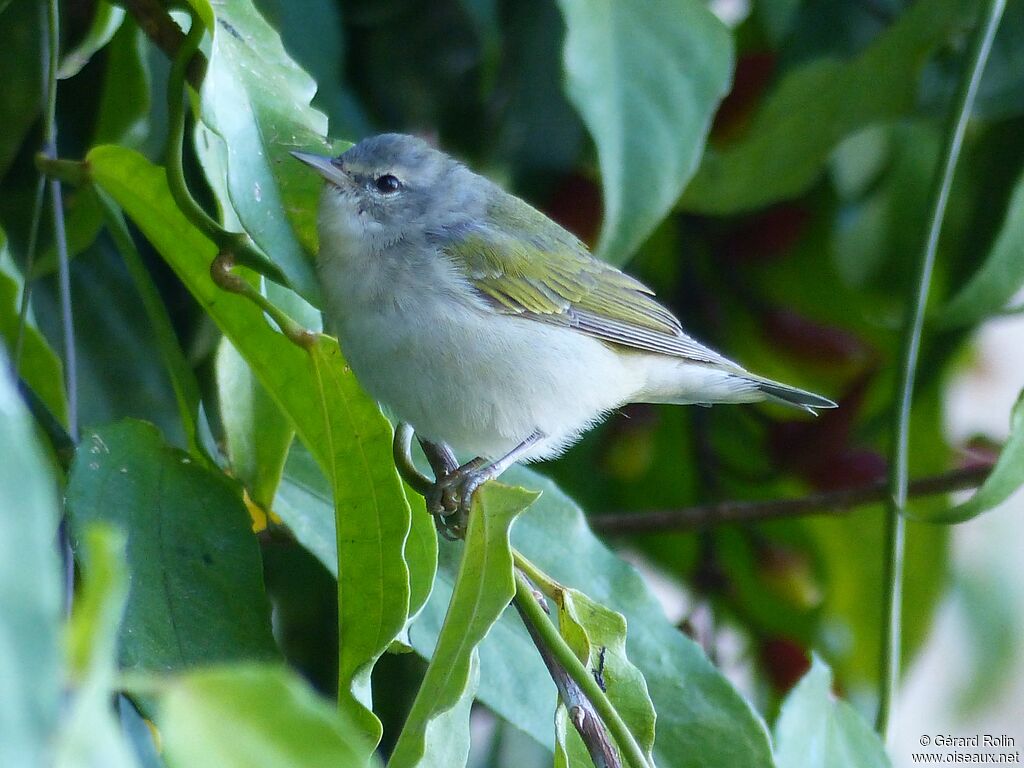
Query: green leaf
[702, 719]
[322, 56]
[597, 635]
[258, 435]
[817, 730]
[105, 22]
[646, 77]
[257, 100]
[39, 365]
[30, 587]
[91, 736]
[999, 278]
[123, 116]
[342, 427]
[483, 588]
[814, 107]
[20, 61]
[251, 716]
[1006, 477]
[370, 528]
[305, 503]
[198, 593]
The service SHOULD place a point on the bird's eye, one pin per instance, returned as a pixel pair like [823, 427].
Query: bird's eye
[387, 184]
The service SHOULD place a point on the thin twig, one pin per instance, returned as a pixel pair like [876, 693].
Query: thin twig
[158, 26]
[51, 38]
[914, 323]
[824, 503]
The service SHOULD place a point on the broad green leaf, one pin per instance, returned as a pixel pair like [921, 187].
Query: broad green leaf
[817, 730]
[20, 62]
[90, 736]
[597, 635]
[124, 103]
[30, 587]
[483, 588]
[1007, 476]
[195, 565]
[257, 433]
[352, 444]
[106, 21]
[815, 106]
[373, 576]
[646, 77]
[322, 56]
[251, 716]
[702, 720]
[999, 278]
[305, 503]
[257, 100]
[39, 365]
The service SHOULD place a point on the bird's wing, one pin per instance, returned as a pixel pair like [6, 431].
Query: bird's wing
[533, 268]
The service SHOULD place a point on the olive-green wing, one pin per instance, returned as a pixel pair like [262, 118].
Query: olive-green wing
[533, 268]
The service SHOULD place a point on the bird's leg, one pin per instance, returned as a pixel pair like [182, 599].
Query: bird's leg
[450, 496]
[455, 491]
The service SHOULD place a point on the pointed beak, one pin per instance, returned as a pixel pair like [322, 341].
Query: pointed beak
[324, 166]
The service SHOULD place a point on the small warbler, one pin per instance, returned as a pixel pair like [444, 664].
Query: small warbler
[484, 324]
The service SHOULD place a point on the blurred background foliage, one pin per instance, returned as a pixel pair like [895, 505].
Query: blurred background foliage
[791, 250]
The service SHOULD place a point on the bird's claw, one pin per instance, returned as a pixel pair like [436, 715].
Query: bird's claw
[451, 498]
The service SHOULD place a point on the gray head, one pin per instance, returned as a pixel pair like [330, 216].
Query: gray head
[393, 184]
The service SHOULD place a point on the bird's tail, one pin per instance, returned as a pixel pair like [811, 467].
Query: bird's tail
[787, 395]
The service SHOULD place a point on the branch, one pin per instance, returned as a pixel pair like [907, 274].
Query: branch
[158, 26]
[824, 503]
[898, 486]
[532, 611]
[563, 656]
[581, 712]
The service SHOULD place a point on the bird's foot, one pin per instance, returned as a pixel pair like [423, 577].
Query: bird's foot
[451, 497]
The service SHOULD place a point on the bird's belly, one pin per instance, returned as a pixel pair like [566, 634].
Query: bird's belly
[483, 382]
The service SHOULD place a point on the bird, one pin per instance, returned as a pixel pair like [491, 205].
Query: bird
[487, 327]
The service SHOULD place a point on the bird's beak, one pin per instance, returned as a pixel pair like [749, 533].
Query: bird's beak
[324, 166]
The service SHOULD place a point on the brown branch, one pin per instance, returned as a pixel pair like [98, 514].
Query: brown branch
[157, 24]
[582, 715]
[824, 503]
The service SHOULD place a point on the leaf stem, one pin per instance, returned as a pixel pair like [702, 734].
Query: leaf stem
[238, 244]
[545, 583]
[579, 674]
[223, 276]
[895, 533]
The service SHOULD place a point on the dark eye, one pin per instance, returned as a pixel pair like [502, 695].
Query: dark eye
[387, 184]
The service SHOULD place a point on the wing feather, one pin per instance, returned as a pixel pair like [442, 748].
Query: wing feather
[535, 269]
